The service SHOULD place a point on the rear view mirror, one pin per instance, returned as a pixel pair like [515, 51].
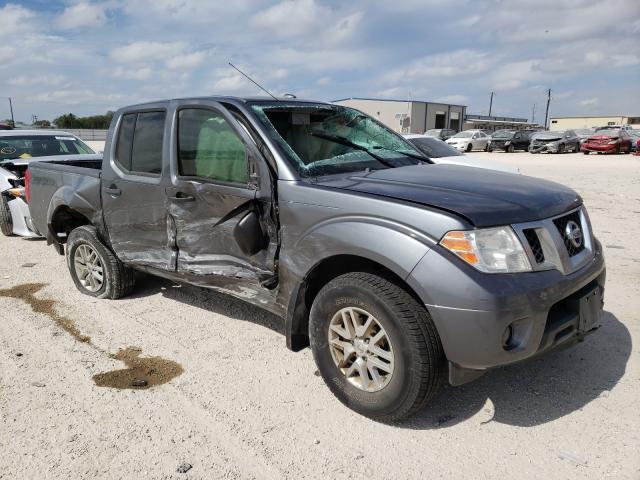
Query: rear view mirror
[248, 234]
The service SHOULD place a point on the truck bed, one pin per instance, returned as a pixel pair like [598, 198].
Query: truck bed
[69, 181]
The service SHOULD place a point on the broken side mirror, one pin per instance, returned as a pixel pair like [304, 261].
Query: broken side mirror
[248, 234]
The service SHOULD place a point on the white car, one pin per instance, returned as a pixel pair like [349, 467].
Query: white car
[18, 148]
[469, 140]
[441, 152]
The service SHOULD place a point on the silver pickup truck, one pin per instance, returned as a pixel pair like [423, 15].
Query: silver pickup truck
[399, 273]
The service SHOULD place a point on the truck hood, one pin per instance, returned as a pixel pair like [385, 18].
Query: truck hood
[484, 197]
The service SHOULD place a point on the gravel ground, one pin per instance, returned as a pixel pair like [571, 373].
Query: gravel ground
[240, 405]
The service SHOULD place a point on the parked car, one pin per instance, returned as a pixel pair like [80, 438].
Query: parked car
[18, 148]
[441, 152]
[469, 140]
[635, 139]
[441, 133]
[510, 140]
[608, 140]
[584, 133]
[555, 142]
[398, 273]
[4, 126]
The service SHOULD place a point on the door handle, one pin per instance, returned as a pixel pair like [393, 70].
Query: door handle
[113, 191]
[182, 197]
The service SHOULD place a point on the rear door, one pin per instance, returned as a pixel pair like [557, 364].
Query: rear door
[220, 200]
[133, 191]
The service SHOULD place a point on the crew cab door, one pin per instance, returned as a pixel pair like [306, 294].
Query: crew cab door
[133, 192]
[220, 200]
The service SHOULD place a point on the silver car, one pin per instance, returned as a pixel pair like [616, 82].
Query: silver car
[18, 148]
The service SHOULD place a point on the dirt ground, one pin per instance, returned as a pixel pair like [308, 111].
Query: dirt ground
[231, 401]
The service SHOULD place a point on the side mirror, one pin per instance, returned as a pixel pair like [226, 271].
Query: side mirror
[248, 234]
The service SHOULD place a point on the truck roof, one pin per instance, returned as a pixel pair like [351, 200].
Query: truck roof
[229, 98]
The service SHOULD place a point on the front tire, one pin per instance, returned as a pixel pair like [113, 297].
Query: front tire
[375, 346]
[469, 148]
[561, 148]
[510, 149]
[6, 220]
[94, 268]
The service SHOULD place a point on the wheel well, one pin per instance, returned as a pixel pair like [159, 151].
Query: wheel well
[318, 277]
[64, 220]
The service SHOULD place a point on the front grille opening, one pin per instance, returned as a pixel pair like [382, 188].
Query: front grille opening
[561, 225]
[534, 242]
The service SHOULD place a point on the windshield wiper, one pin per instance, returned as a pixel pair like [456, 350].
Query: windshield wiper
[402, 152]
[345, 141]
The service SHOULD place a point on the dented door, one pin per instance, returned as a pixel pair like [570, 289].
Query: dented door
[212, 195]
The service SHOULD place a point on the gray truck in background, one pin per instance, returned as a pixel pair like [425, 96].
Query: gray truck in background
[400, 274]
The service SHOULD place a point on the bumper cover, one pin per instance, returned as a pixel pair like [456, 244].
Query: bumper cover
[22, 224]
[598, 148]
[472, 310]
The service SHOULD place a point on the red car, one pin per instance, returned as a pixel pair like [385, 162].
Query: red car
[608, 140]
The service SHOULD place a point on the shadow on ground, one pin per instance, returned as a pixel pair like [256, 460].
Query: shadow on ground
[526, 394]
[541, 390]
[207, 299]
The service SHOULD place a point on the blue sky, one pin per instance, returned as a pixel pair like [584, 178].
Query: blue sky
[87, 57]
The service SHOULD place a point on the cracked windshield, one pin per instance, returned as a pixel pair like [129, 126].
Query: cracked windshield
[324, 140]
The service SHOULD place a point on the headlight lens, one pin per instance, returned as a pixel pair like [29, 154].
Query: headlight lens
[508, 142]
[490, 250]
[612, 142]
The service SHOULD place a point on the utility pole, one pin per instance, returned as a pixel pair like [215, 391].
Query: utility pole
[546, 115]
[490, 103]
[13, 122]
[533, 114]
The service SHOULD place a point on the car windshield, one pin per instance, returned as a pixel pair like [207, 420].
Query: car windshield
[503, 134]
[547, 135]
[434, 132]
[466, 134]
[28, 146]
[322, 139]
[608, 132]
[434, 148]
[584, 132]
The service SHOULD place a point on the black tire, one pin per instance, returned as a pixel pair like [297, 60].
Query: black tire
[510, 149]
[469, 148]
[118, 280]
[586, 152]
[618, 149]
[561, 148]
[419, 364]
[6, 220]
[486, 148]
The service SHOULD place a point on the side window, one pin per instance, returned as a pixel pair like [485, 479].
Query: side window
[208, 147]
[146, 154]
[125, 141]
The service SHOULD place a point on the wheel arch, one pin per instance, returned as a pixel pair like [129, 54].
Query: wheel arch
[297, 319]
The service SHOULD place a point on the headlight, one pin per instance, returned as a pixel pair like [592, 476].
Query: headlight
[490, 250]
[551, 145]
[612, 142]
[508, 142]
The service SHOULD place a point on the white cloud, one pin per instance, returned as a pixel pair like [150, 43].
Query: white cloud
[132, 73]
[145, 51]
[82, 15]
[455, 99]
[589, 102]
[456, 63]
[15, 19]
[77, 97]
[186, 62]
[37, 80]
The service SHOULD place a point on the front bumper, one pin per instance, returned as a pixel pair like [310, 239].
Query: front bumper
[22, 224]
[543, 147]
[472, 310]
[598, 148]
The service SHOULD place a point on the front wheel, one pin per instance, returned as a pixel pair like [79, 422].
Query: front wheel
[6, 220]
[561, 148]
[375, 346]
[510, 149]
[95, 270]
[469, 148]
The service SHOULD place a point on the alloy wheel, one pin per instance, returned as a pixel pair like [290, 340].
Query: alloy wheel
[361, 349]
[88, 268]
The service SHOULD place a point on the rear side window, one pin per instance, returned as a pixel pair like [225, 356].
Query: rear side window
[146, 154]
[139, 147]
[209, 148]
[125, 141]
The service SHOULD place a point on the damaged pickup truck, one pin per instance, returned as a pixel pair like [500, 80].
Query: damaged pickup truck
[400, 274]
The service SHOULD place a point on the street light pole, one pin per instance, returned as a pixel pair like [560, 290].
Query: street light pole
[13, 122]
[490, 103]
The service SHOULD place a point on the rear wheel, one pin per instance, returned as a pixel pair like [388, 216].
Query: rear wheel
[6, 221]
[375, 346]
[95, 270]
